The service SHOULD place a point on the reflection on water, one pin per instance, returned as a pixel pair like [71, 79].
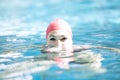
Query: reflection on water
[82, 62]
[18, 62]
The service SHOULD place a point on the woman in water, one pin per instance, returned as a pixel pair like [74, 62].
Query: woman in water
[59, 38]
[59, 43]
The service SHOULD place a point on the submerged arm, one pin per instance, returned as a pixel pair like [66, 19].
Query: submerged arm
[107, 48]
[85, 47]
[18, 48]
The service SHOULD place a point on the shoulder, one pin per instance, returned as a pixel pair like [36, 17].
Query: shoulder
[78, 48]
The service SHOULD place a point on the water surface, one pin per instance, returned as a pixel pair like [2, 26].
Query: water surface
[23, 24]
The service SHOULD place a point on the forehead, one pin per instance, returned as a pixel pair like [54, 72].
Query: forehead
[58, 33]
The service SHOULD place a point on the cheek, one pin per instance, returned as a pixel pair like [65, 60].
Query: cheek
[51, 43]
[68, 42]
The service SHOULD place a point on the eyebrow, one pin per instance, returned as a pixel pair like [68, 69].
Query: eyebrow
[55, 36]
[62, 36]
[52, 36]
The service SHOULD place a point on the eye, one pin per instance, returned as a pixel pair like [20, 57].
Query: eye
[63, 39]
[52, 39]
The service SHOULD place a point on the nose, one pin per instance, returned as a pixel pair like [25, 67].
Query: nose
[58, 43]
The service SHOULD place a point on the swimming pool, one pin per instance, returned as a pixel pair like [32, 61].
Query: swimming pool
[23, 24]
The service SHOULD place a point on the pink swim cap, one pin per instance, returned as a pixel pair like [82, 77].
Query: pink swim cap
[58, 24]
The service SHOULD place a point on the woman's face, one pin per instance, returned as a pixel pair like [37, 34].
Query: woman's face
[60, 39]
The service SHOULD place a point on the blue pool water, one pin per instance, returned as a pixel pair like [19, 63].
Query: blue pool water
[23, 24]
